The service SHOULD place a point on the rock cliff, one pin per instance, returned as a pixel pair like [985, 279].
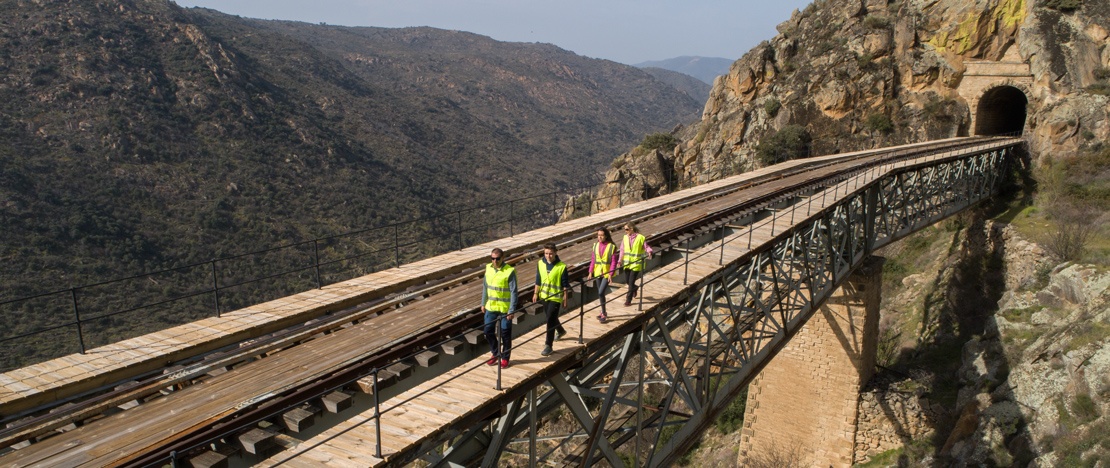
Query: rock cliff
[858, 74]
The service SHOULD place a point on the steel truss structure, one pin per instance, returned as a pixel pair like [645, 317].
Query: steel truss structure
[646, 395]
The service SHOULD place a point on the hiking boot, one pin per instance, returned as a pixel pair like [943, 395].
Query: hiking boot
[559, 334]
[504, 363]
[491, 361]
[546, 351]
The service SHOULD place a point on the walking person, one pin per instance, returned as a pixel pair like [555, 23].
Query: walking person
[498, 304]
[552, 290]
[634, 254]
[603, 264]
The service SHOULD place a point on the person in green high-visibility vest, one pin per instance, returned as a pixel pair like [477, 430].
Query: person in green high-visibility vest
[498, 304]
[634, 254]
[603, 265]
[552, 290]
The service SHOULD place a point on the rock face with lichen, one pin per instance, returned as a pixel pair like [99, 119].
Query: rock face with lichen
[859, 74]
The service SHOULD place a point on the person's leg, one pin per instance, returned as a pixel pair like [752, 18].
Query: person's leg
[551, 311]
[602, 287]
[633, 276]
[506, 337]
[491, 336]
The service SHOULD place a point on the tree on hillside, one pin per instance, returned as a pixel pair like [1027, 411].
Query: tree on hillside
[792, 142]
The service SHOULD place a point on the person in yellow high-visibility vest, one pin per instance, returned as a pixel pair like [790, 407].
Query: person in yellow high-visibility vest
[633, 255]
[552, 290]
[603, 265]
[498, 304]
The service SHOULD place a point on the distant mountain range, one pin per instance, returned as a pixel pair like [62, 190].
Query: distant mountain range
[693, 87]
[705, 69]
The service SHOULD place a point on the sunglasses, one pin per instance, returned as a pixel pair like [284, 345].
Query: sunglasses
[495, 258]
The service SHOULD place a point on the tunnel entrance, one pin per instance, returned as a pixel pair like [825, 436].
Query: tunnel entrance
[1001, 110]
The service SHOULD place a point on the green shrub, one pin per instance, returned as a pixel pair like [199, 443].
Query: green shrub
[1063, 5]
[876, 22]
[792, 142]
[732, 418]
[772, 106]
[1084, 408]
[879, 123]
[660, 141]
[1101, 88]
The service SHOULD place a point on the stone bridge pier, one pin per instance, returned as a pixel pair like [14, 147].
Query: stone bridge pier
[802, 408]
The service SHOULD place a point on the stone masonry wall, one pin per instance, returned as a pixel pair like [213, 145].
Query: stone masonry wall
[802, 408]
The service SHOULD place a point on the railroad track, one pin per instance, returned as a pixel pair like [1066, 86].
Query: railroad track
[372, 335]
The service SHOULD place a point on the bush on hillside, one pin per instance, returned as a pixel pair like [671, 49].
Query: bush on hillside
[659, 141]
[772, 106]
[792, 142]
[1064, 5]
[879, 123]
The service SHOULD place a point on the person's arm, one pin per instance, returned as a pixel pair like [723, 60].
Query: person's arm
[593, 260]
[647, 247]
[613, 263]
[484, 298]
[536, 289]
[512, 295]
[565, 281]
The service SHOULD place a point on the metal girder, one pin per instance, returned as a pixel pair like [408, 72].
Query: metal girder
[705, 351]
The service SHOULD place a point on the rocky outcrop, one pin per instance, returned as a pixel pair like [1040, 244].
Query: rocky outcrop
[871, 73]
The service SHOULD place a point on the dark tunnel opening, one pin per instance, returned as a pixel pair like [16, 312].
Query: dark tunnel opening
[1001, 111]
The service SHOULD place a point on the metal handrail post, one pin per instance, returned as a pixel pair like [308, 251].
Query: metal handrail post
[316, 253]
[721, 261]
[511, 218]
[216, 288]
[377, 418]
[77, 316]
[396, 247]
[685, 263]
[499, 356]
[460, 230]
[582, 312]
[643, 273]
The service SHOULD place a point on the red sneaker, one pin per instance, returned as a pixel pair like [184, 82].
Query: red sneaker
[491, 361]
[504, 363]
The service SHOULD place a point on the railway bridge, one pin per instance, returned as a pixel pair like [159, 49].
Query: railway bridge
[389, 368]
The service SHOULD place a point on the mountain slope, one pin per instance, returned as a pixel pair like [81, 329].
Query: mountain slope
[138, 135]
[693, 87]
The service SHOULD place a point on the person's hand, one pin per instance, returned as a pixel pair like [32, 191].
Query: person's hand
[482, 308]
[535, 297]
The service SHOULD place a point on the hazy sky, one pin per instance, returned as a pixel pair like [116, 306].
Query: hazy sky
[626, 31]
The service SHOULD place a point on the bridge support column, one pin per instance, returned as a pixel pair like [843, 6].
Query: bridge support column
[802, 408]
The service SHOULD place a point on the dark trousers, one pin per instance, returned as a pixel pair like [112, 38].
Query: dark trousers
[602, 284]
[633, 283]
[551, 311]
[506, 334]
